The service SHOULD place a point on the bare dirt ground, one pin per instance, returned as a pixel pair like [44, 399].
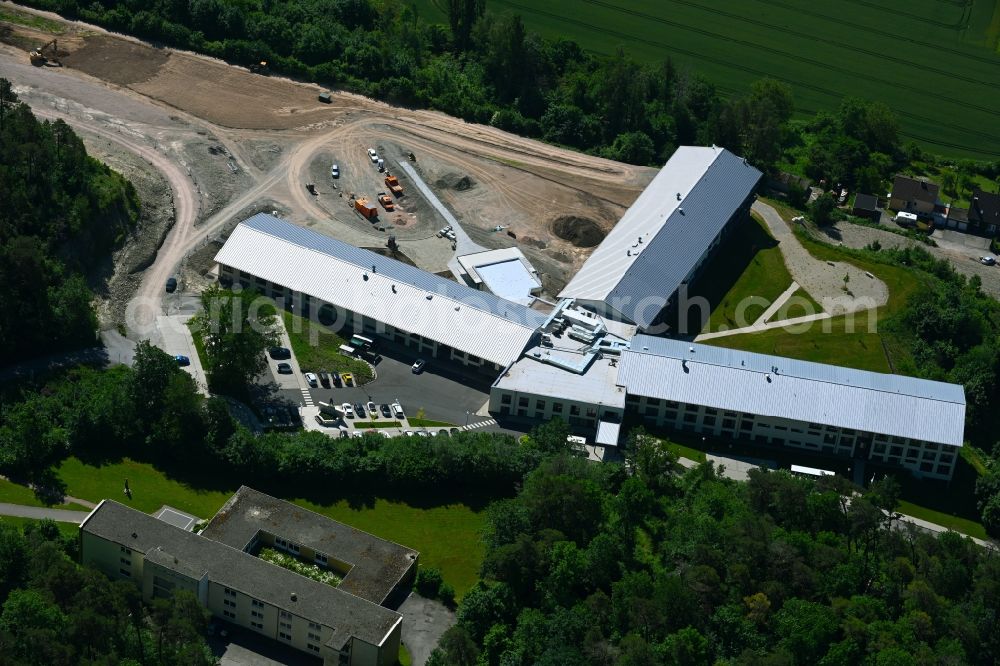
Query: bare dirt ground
[227, 141]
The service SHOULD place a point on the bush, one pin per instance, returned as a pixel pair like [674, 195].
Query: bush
[429, 582]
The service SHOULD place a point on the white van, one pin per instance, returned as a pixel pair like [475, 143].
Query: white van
[347, 350]
[904, 219]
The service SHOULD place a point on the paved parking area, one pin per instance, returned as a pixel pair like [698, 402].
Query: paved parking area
[177, 340]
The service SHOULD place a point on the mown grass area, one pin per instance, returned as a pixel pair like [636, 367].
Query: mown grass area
[961, 525]
[445, 532]
[892, 51]
[743, 279]
[15, 493]
[428, 423]
[66, 529]
[378, 424]
[853, 341]
[317, 348]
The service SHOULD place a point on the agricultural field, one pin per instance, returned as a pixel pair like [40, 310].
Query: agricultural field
[935, 62]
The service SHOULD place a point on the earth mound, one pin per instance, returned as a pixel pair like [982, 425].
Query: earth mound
[580, 231]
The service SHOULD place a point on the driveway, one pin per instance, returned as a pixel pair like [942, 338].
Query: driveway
[177, 340]
[424, 621]
[41, 513]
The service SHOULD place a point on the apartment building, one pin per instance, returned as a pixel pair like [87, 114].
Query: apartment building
[334, 624]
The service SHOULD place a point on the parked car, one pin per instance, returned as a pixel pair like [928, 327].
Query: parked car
[335, 378]
[312, 379]
[372, 409]
[284, 368]
[335, 171]
[357, 433]
[348, 410]
[408, 433]
[347, 378]
[423, 433]
[386, 411]
[182, 360]
[279, 353]
[453, 431]
[171, 285]
[373, 156]
[418, 366]
[988, 260]
[359, 409]
[397, 410]
[324, 379]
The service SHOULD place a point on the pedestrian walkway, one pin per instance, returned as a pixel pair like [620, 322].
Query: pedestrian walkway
[824, 280]
[42, 513]
[780, 301]
[758, 327]
[479, 424]
[307, 397]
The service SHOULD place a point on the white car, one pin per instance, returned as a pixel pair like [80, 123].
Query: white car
[347, 410]
[357, 433]
[312, 379]
[418, 366]
[988, 260]
[373, 156]
[335, 171]
[397, 410]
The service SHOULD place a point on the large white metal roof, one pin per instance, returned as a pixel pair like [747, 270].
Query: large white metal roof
[383, 289]
[798, 390]
[665, 232]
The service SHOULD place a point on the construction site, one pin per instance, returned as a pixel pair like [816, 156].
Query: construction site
[207, 144]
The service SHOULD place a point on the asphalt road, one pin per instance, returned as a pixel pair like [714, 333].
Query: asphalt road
[41, 513]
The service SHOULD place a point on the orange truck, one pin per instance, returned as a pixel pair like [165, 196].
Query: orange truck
[366, 208]
[393, 184]
[386, 201]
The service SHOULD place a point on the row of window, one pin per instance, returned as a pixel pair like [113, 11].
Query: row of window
[557, 407]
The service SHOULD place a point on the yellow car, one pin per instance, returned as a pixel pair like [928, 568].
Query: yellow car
[348, 378]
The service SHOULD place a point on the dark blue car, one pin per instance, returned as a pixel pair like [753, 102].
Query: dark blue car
[182, 360]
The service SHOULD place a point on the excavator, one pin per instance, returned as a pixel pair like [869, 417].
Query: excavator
[47, 54]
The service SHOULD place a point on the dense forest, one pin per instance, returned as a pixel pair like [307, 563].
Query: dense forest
[590, 565]
[62, 214]
[58, 613]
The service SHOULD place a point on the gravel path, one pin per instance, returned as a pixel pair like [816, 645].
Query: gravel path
[824, 280]
[965, 261]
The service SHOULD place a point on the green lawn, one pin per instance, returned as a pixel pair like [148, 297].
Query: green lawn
[378, 424]
[882, 53]
[962, 525]
[66, 529]
[14, 493]
[11, 15]
[317, 348]
[447, 535]
[428, 423]
[750, 264]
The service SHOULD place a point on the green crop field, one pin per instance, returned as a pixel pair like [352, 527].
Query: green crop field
[935, 62]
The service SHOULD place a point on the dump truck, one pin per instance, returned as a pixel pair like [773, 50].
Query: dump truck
[393, 184]
[312, 188]
[367, 210]
[386, 201]
[325, 98]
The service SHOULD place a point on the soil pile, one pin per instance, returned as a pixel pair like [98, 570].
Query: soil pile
[454, 181]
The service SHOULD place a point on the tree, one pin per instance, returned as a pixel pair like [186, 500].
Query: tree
[237, 329]
[462, 16]
[632, 147]
[822, 209]
[455, 648]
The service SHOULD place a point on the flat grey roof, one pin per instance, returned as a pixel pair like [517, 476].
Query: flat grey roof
[797, 390]
[596, 386]
[196, 556]
[377, 565]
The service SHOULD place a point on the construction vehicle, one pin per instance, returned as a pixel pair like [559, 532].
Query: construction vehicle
[259, 67]
[47, 54]
[393, 184]
[413, 158]
[386, 201]
[367, 210]
[312, 188]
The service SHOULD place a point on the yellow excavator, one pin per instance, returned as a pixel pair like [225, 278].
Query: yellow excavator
[47, 54]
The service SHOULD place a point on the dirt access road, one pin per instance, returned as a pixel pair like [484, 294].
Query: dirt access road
[230, 142]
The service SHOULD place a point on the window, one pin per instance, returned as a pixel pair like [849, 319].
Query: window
[522, 401]
[505, 399]
[710, 411]
[229, 614]
[230, 593]
[127, 563]
[690, 408]
[278, 541]
[256, 604]
[314, 637]
[125, 572]
[709, 421]
[591, 411]
[285, 625]
[574, 410]
[557, 408]
[127, 551]
[286, 615]
[320, 557]
[227, 602]
[652, 401]
[294, 547]
[728, 423]
[746, 425]
[257, 625]
[540, 405]
[314, 648]
[282, 634]
[690, 418]
[256, 614]
[313, 625]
